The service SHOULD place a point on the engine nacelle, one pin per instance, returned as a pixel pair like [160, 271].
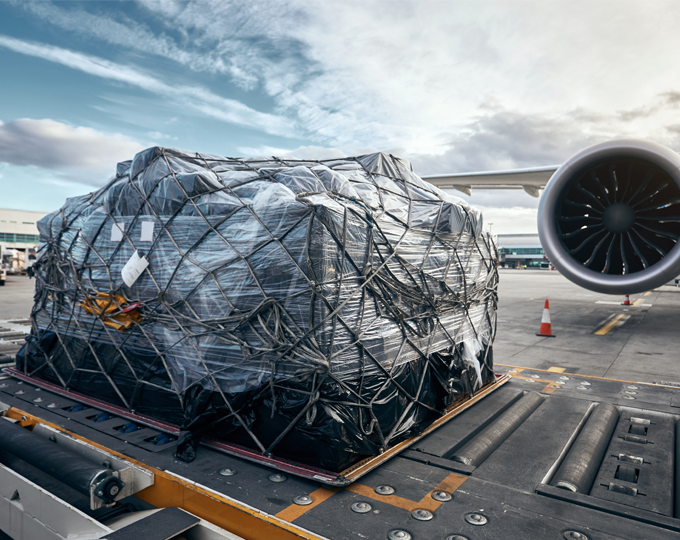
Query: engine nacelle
[609, 218]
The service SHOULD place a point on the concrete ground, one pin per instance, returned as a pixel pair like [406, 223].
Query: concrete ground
[16, 297]
[645, 346]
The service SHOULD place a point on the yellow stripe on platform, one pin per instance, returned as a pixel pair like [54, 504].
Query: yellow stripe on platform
[611, 324]
[556, 369]
[637, 302]
[648, 293]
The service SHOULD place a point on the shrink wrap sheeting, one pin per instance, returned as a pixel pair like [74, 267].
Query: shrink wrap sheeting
[314, 310]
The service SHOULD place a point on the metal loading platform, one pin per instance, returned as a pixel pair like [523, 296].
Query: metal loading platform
[549, 455]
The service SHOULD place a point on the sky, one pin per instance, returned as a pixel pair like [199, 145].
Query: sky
[452, 86]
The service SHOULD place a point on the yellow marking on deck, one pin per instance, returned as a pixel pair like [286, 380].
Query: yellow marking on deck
[648, 293]
[637, 302]
[611, 324]
[555, 369]
[450, 484]
[550, 386]
[294, 511]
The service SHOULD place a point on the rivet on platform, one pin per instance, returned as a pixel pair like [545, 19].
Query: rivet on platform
[399, 535]
[277, 478]
[228, 472]
[361, 507]
[422, 515]
[441, 496]
[476, 519]
[303, 500]
[456, 537]
[574, 535]
[38, 400]
[53, 406]
[384, 490]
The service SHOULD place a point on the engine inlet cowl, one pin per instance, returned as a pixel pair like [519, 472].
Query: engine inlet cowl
[609, 218]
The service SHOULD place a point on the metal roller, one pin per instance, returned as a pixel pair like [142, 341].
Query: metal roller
[579, 468]
[64, 465]
[491, 437]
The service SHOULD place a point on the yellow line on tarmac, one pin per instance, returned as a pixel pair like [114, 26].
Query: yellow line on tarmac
[648, 293]
[637, 302]
[611, 324]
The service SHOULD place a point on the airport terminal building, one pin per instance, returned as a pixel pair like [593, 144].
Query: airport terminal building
[522, 250]
[19, 229]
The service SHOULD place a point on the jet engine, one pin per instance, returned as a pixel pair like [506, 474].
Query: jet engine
[609, 218]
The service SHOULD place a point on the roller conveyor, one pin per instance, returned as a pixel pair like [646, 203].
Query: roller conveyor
[500, 469]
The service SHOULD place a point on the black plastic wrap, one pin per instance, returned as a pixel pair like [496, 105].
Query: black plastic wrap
[320, 311]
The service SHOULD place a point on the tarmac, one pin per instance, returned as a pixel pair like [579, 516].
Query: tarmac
[638, 343]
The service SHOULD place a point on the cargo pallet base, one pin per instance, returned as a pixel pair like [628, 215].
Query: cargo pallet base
[341, 479]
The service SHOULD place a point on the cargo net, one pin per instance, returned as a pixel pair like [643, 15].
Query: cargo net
[314, 310]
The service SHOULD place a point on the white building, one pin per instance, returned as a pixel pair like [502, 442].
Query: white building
[19, 229]
[521, 250]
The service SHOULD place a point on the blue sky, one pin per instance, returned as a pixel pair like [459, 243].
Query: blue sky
[452, 86]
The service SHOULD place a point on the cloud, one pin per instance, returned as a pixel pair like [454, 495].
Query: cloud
[357, 74]
[192, 97]
[514, 220]
[49, 144]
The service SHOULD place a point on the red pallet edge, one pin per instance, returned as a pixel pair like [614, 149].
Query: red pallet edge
[291, 467]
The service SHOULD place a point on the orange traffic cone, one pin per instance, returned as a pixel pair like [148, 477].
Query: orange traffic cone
[626, 300]
[546, 328]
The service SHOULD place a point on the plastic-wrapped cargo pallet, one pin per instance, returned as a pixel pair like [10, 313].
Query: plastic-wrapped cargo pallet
[319, 311]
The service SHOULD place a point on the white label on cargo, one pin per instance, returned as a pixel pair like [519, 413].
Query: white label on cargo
[134, 268]
[117, 232]
[147, 231]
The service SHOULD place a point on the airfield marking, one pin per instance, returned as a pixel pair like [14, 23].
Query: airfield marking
[616, 321]
[648, 293]
[555, 369]
[636, 303]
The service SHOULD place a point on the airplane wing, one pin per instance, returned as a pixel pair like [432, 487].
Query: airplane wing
[531, 180]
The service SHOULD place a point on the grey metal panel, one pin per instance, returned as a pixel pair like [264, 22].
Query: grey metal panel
[524, 458]
[454, 434]
[162, 525]
[655, 481]
[514, 513]
[624, 513]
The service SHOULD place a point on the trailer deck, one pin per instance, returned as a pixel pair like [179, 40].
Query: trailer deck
[506, 493]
